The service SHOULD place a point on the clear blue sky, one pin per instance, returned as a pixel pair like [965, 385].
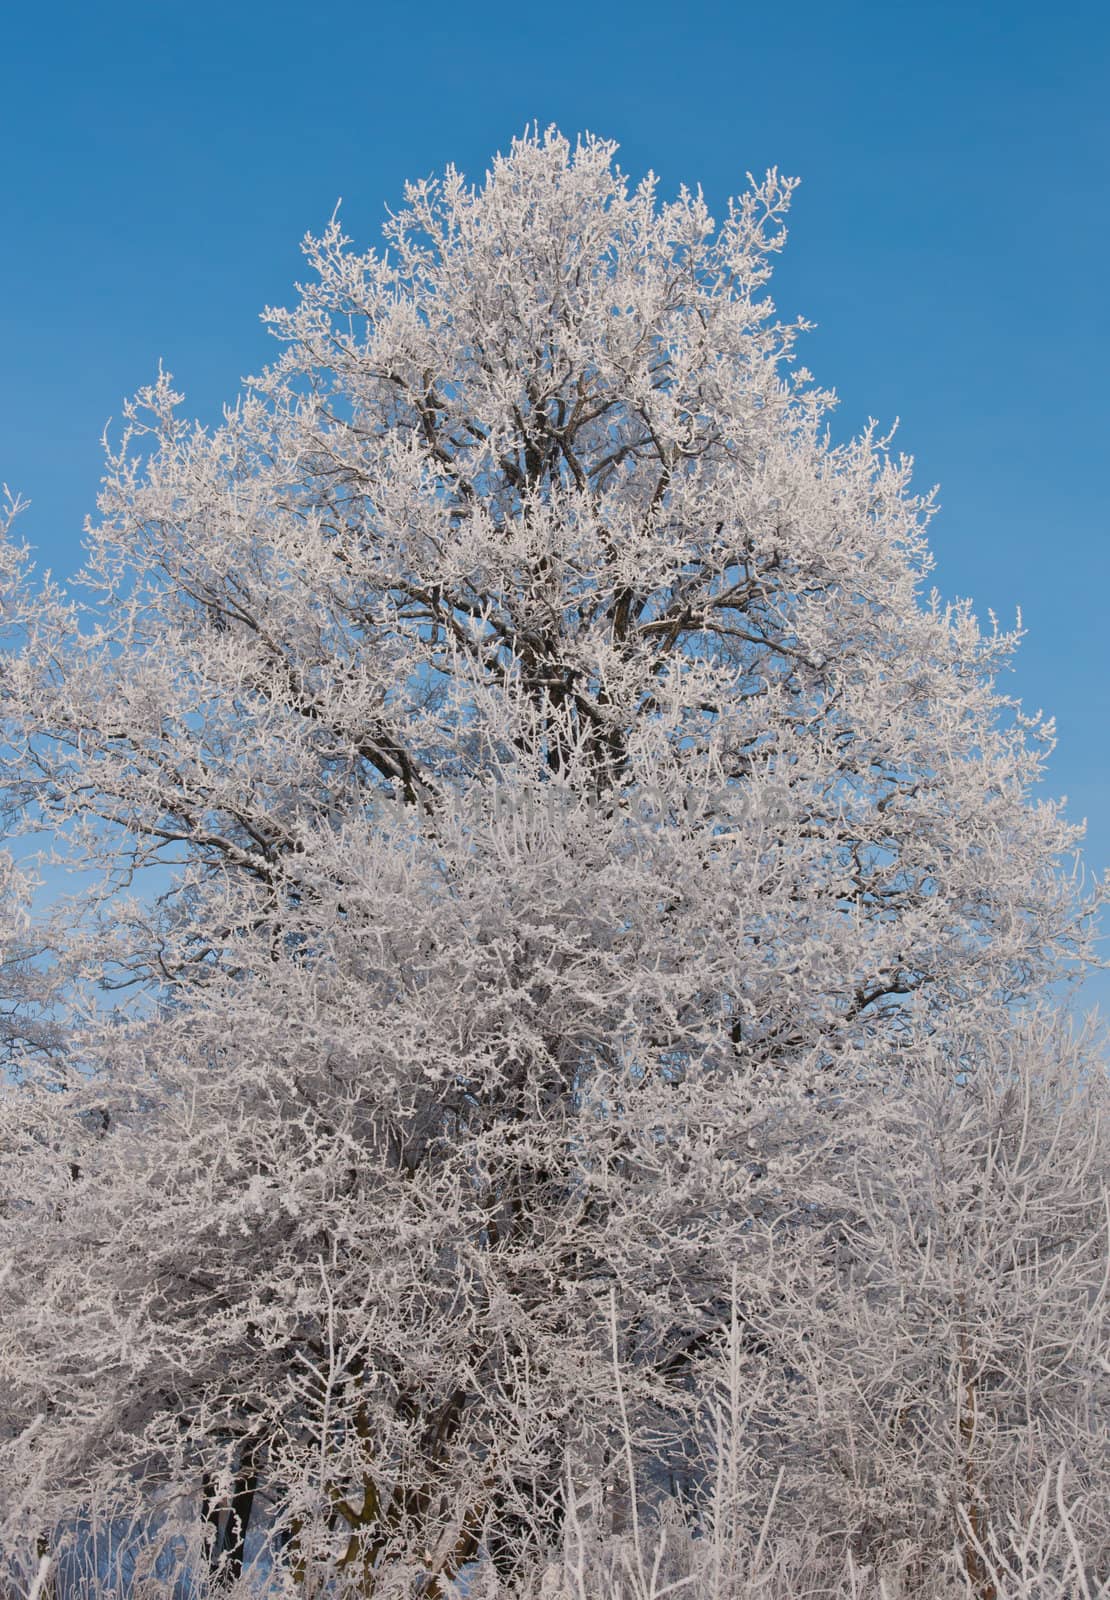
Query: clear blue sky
[161, 163]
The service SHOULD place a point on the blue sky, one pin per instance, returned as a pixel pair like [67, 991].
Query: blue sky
[161, 163]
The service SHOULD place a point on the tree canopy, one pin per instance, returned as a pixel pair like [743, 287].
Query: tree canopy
[589, 1049]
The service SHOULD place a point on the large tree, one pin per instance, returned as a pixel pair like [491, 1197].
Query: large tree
[574, 804]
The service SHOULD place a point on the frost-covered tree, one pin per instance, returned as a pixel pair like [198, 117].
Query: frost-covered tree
[574, 803]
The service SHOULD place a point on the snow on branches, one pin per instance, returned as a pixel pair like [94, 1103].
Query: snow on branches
[597, 924]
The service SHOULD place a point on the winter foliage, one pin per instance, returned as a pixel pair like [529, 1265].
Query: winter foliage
[549, 1072]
